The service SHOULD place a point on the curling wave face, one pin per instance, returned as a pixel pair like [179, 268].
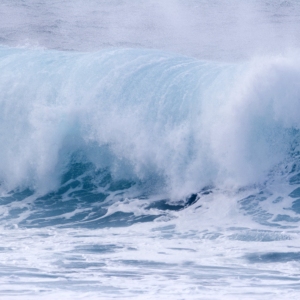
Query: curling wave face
[89, 126]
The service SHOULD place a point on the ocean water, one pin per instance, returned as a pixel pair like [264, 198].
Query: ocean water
[149, 149]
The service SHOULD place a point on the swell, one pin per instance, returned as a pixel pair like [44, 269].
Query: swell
[167, 123]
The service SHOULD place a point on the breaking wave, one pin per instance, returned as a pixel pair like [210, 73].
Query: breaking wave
[95, 127]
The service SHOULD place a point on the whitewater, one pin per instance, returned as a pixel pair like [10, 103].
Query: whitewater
[149, 149]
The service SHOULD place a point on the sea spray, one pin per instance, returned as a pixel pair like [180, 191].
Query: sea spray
[147, 116]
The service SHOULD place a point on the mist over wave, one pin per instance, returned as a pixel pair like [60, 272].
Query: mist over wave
[231, 30]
